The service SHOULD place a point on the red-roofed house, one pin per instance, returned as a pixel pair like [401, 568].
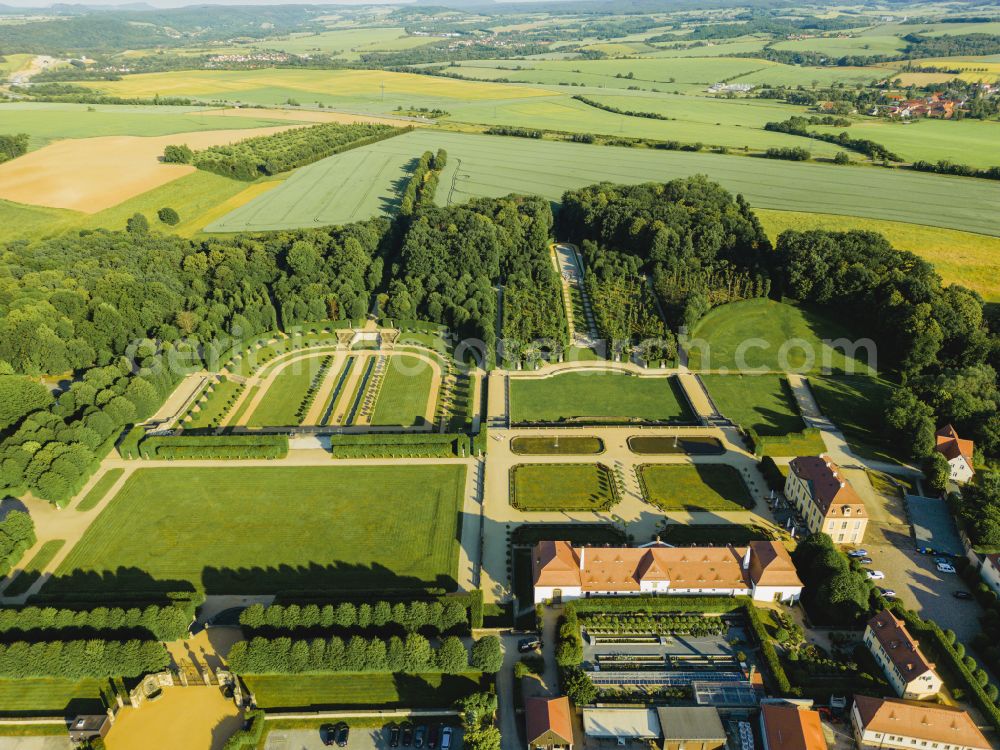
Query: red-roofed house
[762, 570]
[548, 724]
[910, 673]
[825, 499]
[891, 724]
[957, 451]
[787, 727]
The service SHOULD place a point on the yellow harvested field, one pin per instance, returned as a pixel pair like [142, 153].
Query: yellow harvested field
[183, 717]
[65, 174]
[197, 224]
[306, 115]
[960, 257]
[228, 83]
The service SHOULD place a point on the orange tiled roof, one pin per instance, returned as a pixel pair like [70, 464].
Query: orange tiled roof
[952, 446]
[792, 728]
[548, 715]
[919, 719]
[902, 648]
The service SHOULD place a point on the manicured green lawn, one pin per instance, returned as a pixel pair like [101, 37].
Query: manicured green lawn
[402, 400]
[100, 489]
[856, 404]
[562, 487]
[288, 388]
[314, 691]
[214, 408]
[763, 402]
[262, 529]
[762, 334]
[595, 397]
[557, 446]
[695, 487]
[34, 567]
[47, 697]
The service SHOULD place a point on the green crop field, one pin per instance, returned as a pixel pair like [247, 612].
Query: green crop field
[50, 697]
[367, 691]
[767, 335]
[860, 45]
[48, 122]
[975, 142]
[701, 487]
[280, 405]
[960, 257]
[763, 402]
[595, 396]
[348, 43]
[562, 487]
[354, 185]
[402, 398]
[494, 166]
[263, 529]
[735, 123]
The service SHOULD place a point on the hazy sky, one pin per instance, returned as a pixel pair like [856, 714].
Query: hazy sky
[180, 3]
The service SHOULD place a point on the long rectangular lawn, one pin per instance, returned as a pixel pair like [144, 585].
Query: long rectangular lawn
[264, 530]
[763, 402]
[595, 396]
[314, 691]
[402, 399]
[700, 487]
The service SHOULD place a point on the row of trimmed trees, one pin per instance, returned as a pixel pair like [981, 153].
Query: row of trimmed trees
[437, 617]
[163, 623]
[80, 659]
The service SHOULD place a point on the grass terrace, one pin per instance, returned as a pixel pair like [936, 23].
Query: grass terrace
[595, 397]
[50, 697]
[856, 405]
[763, 402]
[334, 528]
[405, 391]
[701, 487]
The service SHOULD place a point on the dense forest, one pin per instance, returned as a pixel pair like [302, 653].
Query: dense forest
[271, 154]
[685, 235]
[132, 311]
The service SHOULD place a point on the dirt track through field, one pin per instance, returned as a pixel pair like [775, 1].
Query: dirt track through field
[92, 174]
[308, 115]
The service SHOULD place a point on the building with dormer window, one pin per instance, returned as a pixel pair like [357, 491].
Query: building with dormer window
[828, 504]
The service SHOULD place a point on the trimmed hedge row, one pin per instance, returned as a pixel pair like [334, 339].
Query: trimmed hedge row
[650, 604]
[782, 683]
[391, 445]
[214, 446]
[166, 623]
[79, 659]
[412, 616]
[249, 736]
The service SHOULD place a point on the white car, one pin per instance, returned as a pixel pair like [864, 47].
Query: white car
[945, 568]
[875, 575]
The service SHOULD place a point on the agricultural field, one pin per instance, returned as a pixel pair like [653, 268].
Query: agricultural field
[358, 90]
[761, 335]
[763, 402]
[393, 528]
[48, 122]
[595, 396]
[367, 691]
[405, 392]
[562, 487]
[494, 166]
[694, 488]
[960, 257]
[61, 175]
[836, 46]
[348, 44]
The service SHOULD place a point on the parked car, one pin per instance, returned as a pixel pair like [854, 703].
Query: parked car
[865, 560]
[420, 736]
[888, 593]
[942, 560]
[946, 568]
[875, 575]
[529, 644]
[432, 736]
[925, 550]
[858, 553]
[961, 594]
[328, 733]
[343, 733]
[407, 734]
[394, 735]
[446, 738]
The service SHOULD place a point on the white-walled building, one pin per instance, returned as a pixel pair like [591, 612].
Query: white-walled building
[825, 499]
[762, 570]
[891, 724]
[898, 654]
[990, 572]
[958, 452]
